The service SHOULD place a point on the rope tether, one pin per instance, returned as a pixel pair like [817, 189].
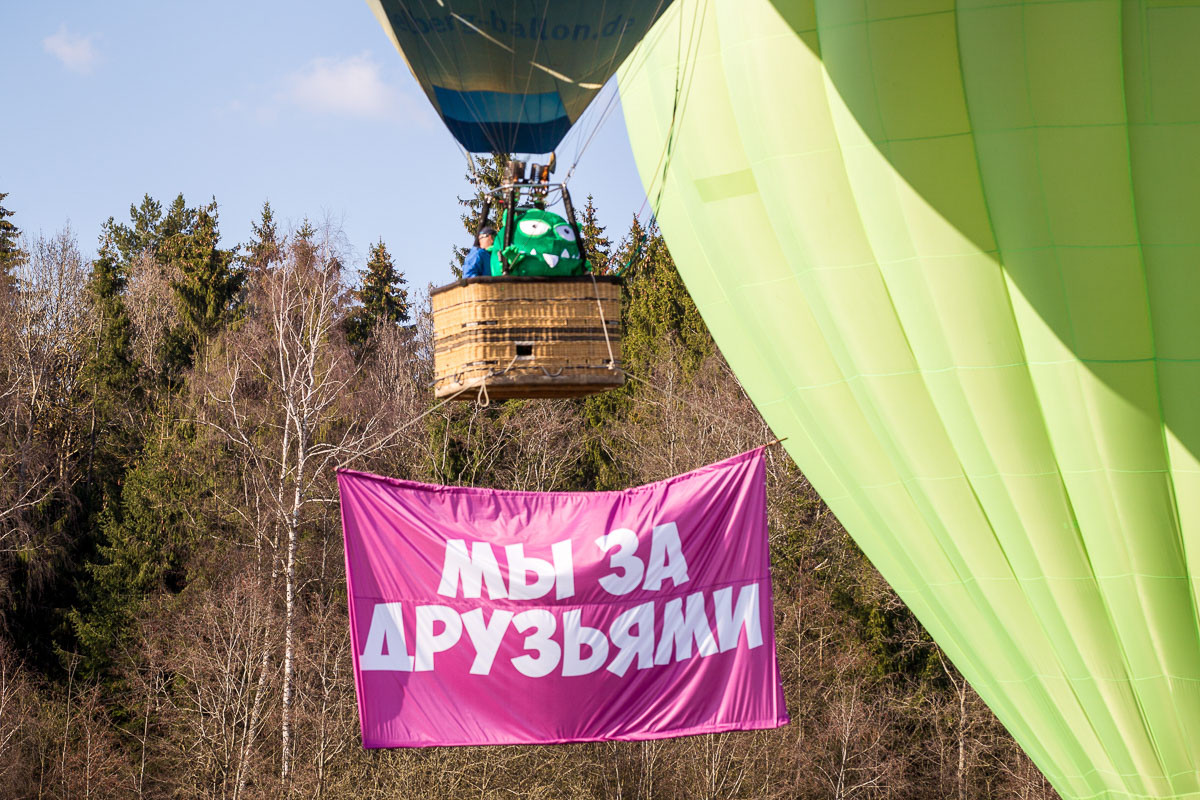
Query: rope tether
[612, 360]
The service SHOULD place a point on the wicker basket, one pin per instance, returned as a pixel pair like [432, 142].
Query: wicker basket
[527, 337]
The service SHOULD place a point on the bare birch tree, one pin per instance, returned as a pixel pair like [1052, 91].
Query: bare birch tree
[17, 701]
[44, 344]
[285, 396]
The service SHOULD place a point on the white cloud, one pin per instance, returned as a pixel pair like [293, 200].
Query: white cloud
[74, 51]
[350, 86]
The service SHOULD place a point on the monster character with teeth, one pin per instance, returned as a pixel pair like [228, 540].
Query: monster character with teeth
[543, 244]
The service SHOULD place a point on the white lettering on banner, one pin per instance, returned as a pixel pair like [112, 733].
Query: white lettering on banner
[539, 641]
[485, 638]
[624, 559]
[519, 567]
[686, 624]
[472, 572]
[576, 637]
[681, 628]
[429, 642]
[387, 629]
[564, 569]
[480, 567]
[666, 558]
[640, 644]
[730, 623]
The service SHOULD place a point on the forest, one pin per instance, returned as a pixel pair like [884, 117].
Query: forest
[173, 617]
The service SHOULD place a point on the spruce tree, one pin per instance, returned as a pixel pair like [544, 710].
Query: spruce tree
[107, 280]
[11, 254]
[115, 433]
[179, 218]
[598, 246]
[266, 246]
[383, 298]
[383, 292]
[304, 247]
[141, 235]
[657, 304]
[112, 372]
[209, 282]
[655, 307]
[148, 536]
[484, 174]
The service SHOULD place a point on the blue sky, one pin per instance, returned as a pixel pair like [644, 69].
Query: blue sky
[306, 104]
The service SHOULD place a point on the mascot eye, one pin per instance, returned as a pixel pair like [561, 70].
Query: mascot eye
[565, 232]
[533, 227]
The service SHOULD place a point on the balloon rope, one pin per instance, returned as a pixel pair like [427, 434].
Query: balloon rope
[603, 116]
[637, 249]
[503, 371]
[385, 442]
[612, 360]
[457, 70]
[682, 57]
[512, 142]
[717, 417]
[483, 400]
[610, 105]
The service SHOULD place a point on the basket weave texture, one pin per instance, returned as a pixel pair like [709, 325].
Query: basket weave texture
[527, 337]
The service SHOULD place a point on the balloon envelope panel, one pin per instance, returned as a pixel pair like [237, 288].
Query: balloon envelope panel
[513, 76]
[951, 251]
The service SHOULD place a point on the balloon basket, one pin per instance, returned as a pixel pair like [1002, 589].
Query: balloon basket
[527, 337]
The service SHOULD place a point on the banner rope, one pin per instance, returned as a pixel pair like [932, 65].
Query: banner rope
[717, 417]
[482, 390]
[393, 434]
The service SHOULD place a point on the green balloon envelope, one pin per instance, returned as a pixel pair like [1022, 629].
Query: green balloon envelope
[543, 244]
[952, 251]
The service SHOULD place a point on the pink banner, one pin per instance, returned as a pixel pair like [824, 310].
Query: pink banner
[490, 617]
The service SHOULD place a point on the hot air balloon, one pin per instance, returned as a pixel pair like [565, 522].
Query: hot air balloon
[512, 77]
[952, 252]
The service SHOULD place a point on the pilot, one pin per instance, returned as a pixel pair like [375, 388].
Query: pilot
[478, 263]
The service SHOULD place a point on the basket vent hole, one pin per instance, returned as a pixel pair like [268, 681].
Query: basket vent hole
[524, 349]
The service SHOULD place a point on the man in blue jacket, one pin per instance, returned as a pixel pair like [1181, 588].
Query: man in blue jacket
[478, 263]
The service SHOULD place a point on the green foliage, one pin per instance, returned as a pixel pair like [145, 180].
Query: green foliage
[148, 231]
[211, 277]
[130, 497]
[304, 245]
[382, 298]
[485, 174]
[656, 311]
[11, 254]
[599, 246]
[155, 579]
[112, 375]
[142, 234]
[112, 368]
[210, 282]
[147, 542]
[657, 304]
[265, 249]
